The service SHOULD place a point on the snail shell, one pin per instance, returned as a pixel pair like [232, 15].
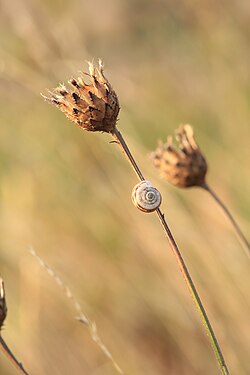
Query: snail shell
[146, 197]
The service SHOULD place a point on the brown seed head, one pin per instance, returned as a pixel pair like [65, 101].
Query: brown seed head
[184, 166]
[3, 306]
[93, 106]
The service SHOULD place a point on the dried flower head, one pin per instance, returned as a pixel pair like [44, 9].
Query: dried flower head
[183, 167]
[93, 106]
[3, 306]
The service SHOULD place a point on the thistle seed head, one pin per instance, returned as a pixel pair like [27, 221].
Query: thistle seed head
[3, 306]
[92, 106]
[184, 166]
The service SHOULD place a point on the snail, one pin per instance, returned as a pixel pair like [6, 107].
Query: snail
[146, 197]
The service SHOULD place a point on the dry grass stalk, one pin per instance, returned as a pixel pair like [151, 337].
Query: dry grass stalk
[81, 316]
[112, 129]
[4, 347]
[186, 167]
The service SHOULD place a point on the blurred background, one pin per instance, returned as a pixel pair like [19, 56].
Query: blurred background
[66, 192]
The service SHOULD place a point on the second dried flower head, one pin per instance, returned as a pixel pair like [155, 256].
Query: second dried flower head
[184, 166]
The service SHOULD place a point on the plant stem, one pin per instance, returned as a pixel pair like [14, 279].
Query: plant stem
[120, 140]
[213, 341]
[5, 349]
[194, 294]
[241, 236]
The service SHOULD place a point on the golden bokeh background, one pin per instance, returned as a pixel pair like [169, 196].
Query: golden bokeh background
[66, 192]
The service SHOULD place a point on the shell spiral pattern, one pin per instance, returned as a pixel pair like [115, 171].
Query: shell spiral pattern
[146, 197]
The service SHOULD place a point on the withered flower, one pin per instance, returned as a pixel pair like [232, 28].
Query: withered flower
[93, 106]
[184, 166]
[3, 306]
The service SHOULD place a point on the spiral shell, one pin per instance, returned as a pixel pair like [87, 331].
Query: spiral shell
[146, 197]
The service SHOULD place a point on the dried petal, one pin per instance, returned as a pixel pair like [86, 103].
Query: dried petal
[3, 306]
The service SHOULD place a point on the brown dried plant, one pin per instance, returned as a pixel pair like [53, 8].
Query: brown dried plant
[93, 107]
[3, 346]
[81, 107]
[186, 166]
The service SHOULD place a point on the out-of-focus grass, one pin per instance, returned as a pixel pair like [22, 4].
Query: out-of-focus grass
[67, 192]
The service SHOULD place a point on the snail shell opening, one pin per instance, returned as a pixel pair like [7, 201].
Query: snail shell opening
[146, 197]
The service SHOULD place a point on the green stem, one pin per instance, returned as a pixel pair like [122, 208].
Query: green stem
[194, 294]
[213, 341]
[241, 236]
